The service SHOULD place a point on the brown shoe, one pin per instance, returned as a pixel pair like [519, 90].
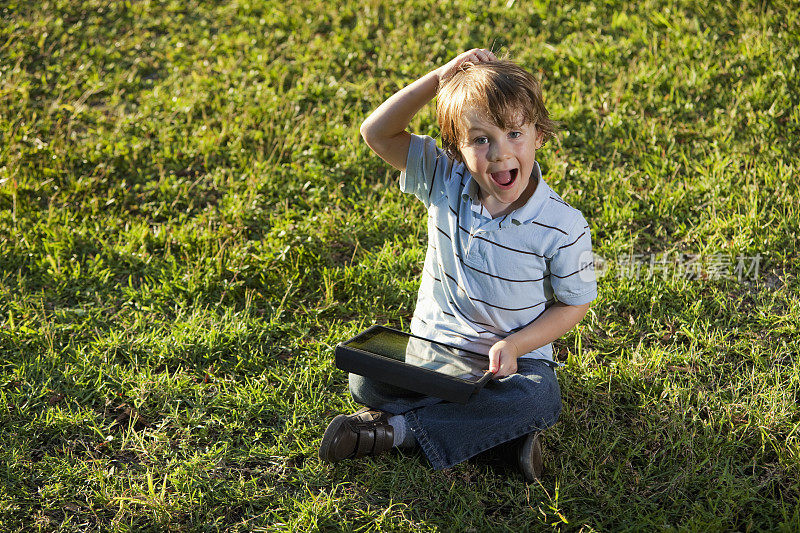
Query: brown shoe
[365, 432]
[529, 457]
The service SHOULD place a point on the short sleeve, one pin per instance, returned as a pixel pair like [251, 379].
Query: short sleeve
[572, 267]
[426, 167]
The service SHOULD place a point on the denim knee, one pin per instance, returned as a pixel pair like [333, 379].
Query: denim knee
[368, 391]
[551, 404]
[359, 388]
[544, 403]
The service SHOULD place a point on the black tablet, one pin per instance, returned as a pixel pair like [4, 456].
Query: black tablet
[414, 363]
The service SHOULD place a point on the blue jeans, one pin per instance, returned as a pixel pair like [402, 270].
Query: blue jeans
[450, 433]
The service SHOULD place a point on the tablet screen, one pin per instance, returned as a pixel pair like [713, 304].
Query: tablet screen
[422, 353]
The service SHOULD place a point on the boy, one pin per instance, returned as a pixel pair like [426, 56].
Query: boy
[507, 271]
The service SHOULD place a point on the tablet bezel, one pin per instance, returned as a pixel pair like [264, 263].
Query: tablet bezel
[377, 329]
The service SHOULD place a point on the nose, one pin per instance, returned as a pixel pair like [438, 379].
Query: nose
[498, 150]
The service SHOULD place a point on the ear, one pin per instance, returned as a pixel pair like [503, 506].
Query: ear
[539, 139]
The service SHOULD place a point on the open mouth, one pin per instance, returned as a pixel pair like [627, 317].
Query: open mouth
[505, 178]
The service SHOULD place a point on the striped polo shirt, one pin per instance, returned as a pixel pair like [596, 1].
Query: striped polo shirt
[485, 277]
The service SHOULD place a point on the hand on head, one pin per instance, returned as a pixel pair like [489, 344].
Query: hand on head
[476, 55]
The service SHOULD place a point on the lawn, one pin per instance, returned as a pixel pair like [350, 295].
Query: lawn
[189, 223]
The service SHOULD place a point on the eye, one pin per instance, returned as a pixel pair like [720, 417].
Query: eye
[480, 140]
[515, 134]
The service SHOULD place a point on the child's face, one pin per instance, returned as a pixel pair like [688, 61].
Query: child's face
[500, 160]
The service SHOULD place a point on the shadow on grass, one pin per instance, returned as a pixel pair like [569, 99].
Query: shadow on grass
[636, 445]
[626, 447]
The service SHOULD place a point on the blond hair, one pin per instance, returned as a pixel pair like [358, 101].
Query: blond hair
[506, 93]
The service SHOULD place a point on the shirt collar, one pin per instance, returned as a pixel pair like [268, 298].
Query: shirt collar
[533, 206]
[518, 216]
[471, 190]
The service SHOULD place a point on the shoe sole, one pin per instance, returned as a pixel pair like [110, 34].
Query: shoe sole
[532, 448]
[327, 439]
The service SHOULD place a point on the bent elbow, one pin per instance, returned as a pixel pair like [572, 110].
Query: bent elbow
[366, 131]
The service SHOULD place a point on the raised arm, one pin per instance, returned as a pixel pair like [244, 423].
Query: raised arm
[384, 130]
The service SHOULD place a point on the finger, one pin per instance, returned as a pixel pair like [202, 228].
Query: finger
[494, 361]
[466, 55]
[511, 368]
[483, 55]
[470, 57]
[501, 374]
[508, 366]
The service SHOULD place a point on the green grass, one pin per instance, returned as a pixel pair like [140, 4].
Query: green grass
[189, 223]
